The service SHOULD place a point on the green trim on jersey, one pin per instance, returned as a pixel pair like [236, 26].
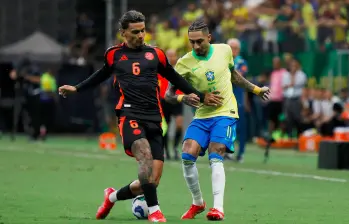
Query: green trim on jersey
[209, 55]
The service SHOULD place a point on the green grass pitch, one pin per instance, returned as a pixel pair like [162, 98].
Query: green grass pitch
[62, 181]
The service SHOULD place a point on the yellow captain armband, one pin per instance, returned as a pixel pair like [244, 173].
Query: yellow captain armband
[256, 90]
[180, 98]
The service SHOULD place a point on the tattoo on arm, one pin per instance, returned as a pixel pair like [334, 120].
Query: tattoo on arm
[170, 95]
[141, 151]
[238, 79]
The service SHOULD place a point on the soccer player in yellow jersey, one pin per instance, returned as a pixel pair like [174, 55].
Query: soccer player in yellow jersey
[210, 68]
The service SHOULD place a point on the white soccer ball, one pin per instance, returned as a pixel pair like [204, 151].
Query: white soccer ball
[139, 207]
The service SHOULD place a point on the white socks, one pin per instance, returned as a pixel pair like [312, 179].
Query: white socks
[218, 183]
[153, 209]
[191, 176]
[112, 197]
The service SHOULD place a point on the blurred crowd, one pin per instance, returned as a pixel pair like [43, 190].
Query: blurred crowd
[270, 26]
[295, 108]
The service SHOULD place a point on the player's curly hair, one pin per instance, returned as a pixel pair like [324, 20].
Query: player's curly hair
[131, 16]
[198, 25]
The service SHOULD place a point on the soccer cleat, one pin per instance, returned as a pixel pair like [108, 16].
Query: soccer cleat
[193, 211]
[105, 208]
[214, 215]
[157, 217]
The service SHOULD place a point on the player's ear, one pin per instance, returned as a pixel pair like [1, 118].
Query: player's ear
[209, 37]
[122, 31]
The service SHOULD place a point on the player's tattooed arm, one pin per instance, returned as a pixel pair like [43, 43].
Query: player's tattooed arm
[238, 79]
[170, 95]
[191, 99]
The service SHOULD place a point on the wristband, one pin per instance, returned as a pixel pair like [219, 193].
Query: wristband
[256, 90]
[180, 98]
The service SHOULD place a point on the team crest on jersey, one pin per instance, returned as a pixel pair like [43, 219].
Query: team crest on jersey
[210, 76]
[149, 56]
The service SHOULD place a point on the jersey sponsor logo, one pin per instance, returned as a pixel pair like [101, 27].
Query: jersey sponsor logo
[232, 111]
[210, 76]
[123, 58]
[149, 56]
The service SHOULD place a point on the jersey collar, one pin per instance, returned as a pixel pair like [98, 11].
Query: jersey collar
[209, 55]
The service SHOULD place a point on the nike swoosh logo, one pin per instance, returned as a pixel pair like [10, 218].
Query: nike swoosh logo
[194, 69]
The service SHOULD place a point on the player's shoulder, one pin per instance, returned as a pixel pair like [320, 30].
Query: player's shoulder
[222, 47]
[114, 48]
[156, 49]
[187, 58]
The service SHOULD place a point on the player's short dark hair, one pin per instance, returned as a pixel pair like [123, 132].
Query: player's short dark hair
[131, 16]
[199, 25]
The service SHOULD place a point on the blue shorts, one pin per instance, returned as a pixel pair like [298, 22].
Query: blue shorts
[216, 129]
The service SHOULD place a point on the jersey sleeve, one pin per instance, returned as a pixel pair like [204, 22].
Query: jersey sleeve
[167, 71]
[181, 68]
[230, 58]
[101, 74]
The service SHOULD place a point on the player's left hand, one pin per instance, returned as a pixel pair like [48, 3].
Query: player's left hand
[191, 100]
[264, 94]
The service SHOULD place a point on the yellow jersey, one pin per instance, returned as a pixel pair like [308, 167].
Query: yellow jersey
[209, 74]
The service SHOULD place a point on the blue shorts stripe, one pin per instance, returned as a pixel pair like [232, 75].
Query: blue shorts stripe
[215, 155]
[189, 157]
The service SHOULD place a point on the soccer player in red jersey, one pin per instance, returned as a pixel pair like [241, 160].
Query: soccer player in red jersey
[135, 67]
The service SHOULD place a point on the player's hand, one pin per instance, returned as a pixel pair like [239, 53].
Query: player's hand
[264, 94]
[66, 90]
[191, 100]
[213, 99]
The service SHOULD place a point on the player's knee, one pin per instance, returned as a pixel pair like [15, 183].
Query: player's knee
[191, 147]
[214, 158]
[179, 127]
[217, 148]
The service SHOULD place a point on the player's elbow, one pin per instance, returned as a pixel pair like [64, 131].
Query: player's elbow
[170, 98]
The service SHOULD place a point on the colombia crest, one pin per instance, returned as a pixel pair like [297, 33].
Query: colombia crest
[149, 56]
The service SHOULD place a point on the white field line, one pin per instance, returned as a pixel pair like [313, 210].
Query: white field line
[41, 149]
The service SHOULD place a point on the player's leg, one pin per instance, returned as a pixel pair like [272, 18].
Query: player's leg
[178, 113]
[242, 134]
[130, 139]
[142, 151]
[195, 139]
[156, 141]
[167, 114]
[222, 138]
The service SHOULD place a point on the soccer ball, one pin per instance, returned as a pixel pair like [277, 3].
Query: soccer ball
[139, 207]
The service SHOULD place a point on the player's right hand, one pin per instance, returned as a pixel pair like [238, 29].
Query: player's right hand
[191, 100]
[66, 90]
[213, 99]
